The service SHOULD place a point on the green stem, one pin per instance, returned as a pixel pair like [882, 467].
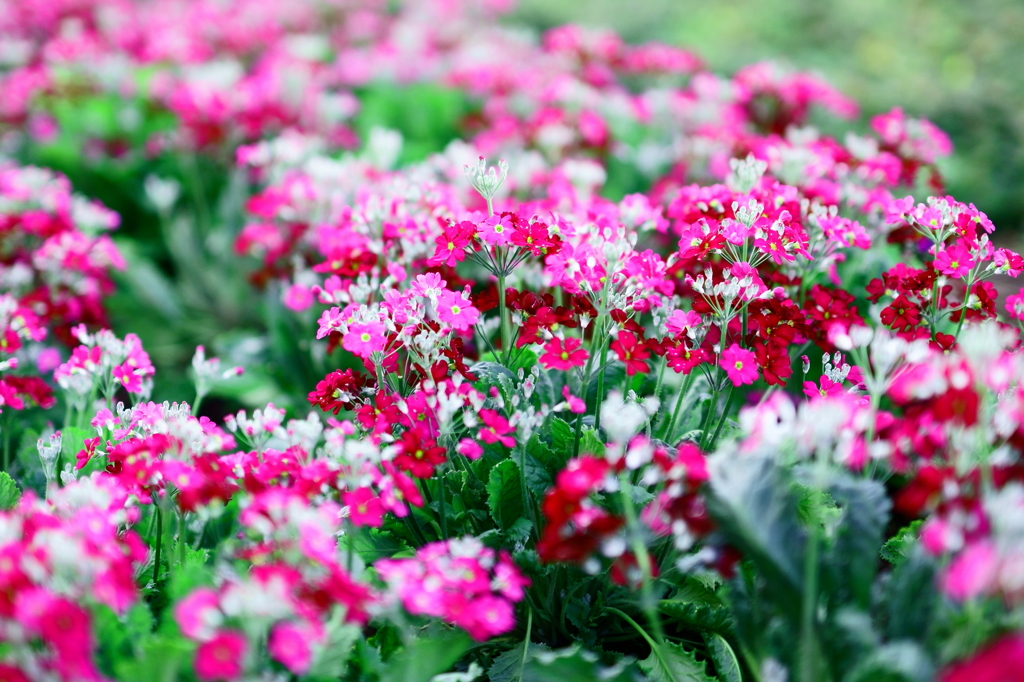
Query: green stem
[442, 511]
[687, 383]
[506, 331]
[808, 650]
[526, 641]
[721, 422]
[181, 538]
[651, 642]
[159, 542]
[643, 560]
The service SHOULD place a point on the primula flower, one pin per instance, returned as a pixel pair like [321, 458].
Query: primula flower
[496, 429]
[364, 339]
[456, 310]
[290, 644]
[222, 657]
[365, 508]
[632, 351]
[740, 365]
[564, 354]
[955, 261]
[496, 230]
[901, 315]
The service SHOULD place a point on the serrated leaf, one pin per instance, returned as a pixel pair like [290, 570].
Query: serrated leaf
[591, 443]
[727, 665]
[551, 461]
[697, 615]
[898, 547]
[429, 655]
[507, 667]
[504, 494]
[538, 479]
[373, 545]
[682, 665]
[560, 437]
[10, 493]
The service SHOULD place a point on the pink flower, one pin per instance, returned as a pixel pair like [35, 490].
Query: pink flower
[469, 448]
[972, 572]
[198, 615]
[576, 405]
[456, 310]
[364, 339]
[298, 297]
[955, 261]
[221, 658]
[496, 428]
[290, 644]
[496, 230]
[827, 388]
[365, 509]
[999, 662]
[740, 364]
[563, 354]
[1015, 305]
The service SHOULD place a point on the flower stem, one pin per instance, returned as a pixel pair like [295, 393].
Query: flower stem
[506, 332]
[687, 383]
[159, 542]
[643, 560]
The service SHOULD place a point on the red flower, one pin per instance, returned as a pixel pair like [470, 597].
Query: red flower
[901, 315]
[631, 351]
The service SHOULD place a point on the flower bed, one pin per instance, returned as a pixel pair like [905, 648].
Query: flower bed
[556, 359]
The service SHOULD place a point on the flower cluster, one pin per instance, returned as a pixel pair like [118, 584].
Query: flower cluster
[461, 582]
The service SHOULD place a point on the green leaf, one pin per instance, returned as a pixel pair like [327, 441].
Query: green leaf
[560, 436]
[72, 441]
[727, 666]
[433, 653]
[373, 545]
[507, 667]
[573, 665]
[9, 492]
[591, 443]
[910, 599]
[817, 508]
[538, 479]
[332, 657]
[859, 535]
[756, 506]
[504, 494]
[552, 461]
[698, 615]
[893, 662]
[162, 660]
[898, 547]
[683, 666]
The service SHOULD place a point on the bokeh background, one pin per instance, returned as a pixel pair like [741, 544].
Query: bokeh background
[959, 63]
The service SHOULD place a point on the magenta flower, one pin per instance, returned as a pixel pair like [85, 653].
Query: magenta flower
[221, 658]
[290, 644]
[365, 508]
[364, 339]
[563, 354]
[496, 429]
[955, 261]
[456, 310]
[496, 230]
[740, 364]
[198, 615]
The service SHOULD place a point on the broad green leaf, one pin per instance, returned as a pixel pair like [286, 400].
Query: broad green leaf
[756, 507]
[373, 545]
[504, 494]
[538, 479]
[9, 491]
[560, 437]
[433, 653]
[858, 536]
[591, 443]
[727, 665]
[910, 598]
[552, 461]
[573, 665]
[894, 662]
[697, 615]
[683, 666]
[72, 441]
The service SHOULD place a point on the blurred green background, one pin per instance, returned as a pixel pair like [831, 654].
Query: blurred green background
[959, 63]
